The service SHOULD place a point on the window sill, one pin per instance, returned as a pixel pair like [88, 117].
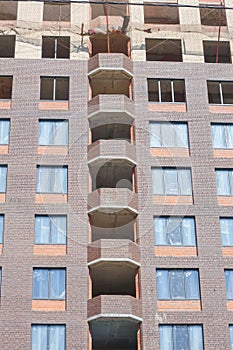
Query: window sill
[54, 105]
[49, 249]
[175, 251]
[51, 150]
[169, 152]
[48, 305]
[51, 198]
[5, 104]
[223, 153]
[172, 200]
[225, 200]
[1, 248]
[179, 305]
[230, 305]
[221, 108]
[4, 149]
[167, 107]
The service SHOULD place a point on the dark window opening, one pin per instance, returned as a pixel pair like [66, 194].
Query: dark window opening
[166, 90]
[161, 14]
[211, 17]
[111, 132]
[164, 50]
[119, 43]
[220, 92]
[55, 89]
[5, 87]
[7, 46]
[215, 54]
[57, 11]
[55, 47]
[113, 10]
[8, 10]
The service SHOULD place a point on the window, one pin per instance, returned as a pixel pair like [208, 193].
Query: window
[178, 284]
[7, 46]
[163, 90]
[211, 16]
[55, 47]
[231, 336]
[55, 89]
[57, 11]
[164, 50]
[217, 53]
[8, 10]
[224, 179]
[226, 227]
[171, 181]
[53, 132]
[49, 337]
[175, 231]
[222, 135]
[49, 284]
[1, 228]
[229, 284]
[5, 87]
[164, 134]
[161, 14]
[51, 179]
[4, 131]
[50, 229]
[3, 175]
[220, 92]
[177, 337]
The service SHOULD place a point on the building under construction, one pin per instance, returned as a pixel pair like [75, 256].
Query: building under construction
[116, 175]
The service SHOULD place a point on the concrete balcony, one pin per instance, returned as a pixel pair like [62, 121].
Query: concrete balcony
[114, 62]
[113, 200]
[107, 109]
[111, 149]
[108, 249]
[114, 306]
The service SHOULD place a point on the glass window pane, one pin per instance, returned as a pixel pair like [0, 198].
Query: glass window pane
[176, 279]
[174, 231]
[165, 338]
[166, 92]
[168, 135]
[223, 187]
[1, 229]
[171, 183]
[46, 88]
[231, 336]
[229, 136]
[214, 92]
[181, 133]
[226, 226]
[3, 172]
[162, 279]
[192, 284]
[42, 230]
[160, 231]
[188, 232]
[57, 284]
[218, 136]
[40, 284]
[227, 92]
[62, 89]
[185, 183]
[229, 284]
[195, 338]
[58, 230]
[39, 337]
[4, 131]
[56, 337]
[153, 94]
[157, 181]
[155, 137]
[181, 338]
[179, 91]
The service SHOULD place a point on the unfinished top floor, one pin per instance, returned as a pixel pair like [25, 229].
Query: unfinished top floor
[124, 27]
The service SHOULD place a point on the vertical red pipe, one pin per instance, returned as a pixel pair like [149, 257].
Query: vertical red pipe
[107, 25]
[219, 32]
